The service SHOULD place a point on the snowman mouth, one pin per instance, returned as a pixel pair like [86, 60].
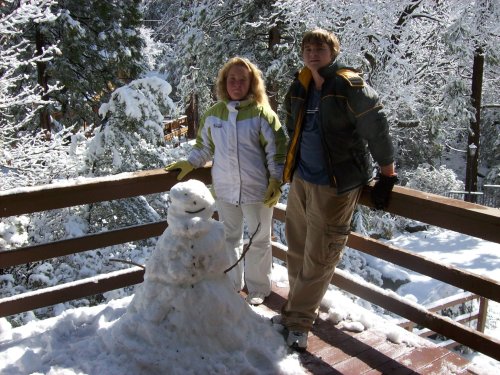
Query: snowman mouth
[195, 212]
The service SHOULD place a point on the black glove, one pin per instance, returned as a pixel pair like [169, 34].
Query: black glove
[381, 192]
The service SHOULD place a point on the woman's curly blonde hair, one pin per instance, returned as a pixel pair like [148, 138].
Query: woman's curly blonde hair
[257, 86]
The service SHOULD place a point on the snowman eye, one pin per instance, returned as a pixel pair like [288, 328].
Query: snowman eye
[194, 202]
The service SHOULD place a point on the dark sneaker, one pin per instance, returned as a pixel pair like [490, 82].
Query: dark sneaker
[297, 340]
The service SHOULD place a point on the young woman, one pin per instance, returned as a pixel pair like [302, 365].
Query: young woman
[245, 140]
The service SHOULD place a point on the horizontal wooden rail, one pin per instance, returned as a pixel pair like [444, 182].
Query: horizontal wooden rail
[451, 301]
[464, 217]
[429, 208]
[464, 318]
[465, 335]
[416, 313]
[176, 128]
[77, 245]
[70, 291]
[91, 190]
[463, 279]
[83, 288]
[459, 216]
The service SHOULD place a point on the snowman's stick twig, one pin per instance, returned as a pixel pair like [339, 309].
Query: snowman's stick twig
[127, 261]
[247, 247]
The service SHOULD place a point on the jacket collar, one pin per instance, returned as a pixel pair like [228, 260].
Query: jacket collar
[329, 70]
[304, 77]
[305, 74]
[234, 105]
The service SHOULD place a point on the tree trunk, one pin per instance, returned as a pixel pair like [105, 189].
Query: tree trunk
[43, 82]
[475, 126]
[272, 87]
[192, 116]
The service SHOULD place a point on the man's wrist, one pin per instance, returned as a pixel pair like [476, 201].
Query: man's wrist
[388, 170]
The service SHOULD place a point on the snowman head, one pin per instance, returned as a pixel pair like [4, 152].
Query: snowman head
[191, 199]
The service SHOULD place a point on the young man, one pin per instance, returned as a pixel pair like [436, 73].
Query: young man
[335, 121]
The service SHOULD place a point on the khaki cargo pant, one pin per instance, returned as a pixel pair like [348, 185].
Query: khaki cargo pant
[317, 226]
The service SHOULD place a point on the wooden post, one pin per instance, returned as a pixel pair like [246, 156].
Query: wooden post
[483, 313]
[475, 126]
[410, 327]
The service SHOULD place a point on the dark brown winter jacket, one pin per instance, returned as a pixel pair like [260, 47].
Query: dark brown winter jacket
[352, 125]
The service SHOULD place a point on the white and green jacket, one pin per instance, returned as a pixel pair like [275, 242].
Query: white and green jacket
[247, 145]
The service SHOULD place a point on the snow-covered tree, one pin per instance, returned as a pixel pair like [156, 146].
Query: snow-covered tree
[28, 157]
[101, 48]
[94, 47]
[130, 139]
[131, 136]
[432, 180]
[19, 91]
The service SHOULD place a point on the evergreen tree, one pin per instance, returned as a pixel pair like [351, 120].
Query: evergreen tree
[27, 158]
[130, 139]
[95, 46]
[131, 136]
[101, 49]
[21, 96]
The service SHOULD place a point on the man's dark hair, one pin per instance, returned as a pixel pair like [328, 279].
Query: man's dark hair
[319, 36]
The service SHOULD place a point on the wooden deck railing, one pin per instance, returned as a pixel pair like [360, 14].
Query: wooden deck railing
[464, 217]
[176, 129]
[477, 315]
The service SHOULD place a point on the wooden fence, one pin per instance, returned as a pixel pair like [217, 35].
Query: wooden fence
[176, 129]
[464, 217]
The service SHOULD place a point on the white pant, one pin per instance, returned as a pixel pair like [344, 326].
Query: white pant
[258, 259]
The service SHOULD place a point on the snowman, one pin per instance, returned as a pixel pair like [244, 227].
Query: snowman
[186, 315]
[187, 252]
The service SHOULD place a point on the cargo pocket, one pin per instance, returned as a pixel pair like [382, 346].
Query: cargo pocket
[335, 240]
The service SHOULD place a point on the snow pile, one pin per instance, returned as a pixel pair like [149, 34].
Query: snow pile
[350, 316]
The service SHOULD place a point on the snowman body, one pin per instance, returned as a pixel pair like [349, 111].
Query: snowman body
[189, 251]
